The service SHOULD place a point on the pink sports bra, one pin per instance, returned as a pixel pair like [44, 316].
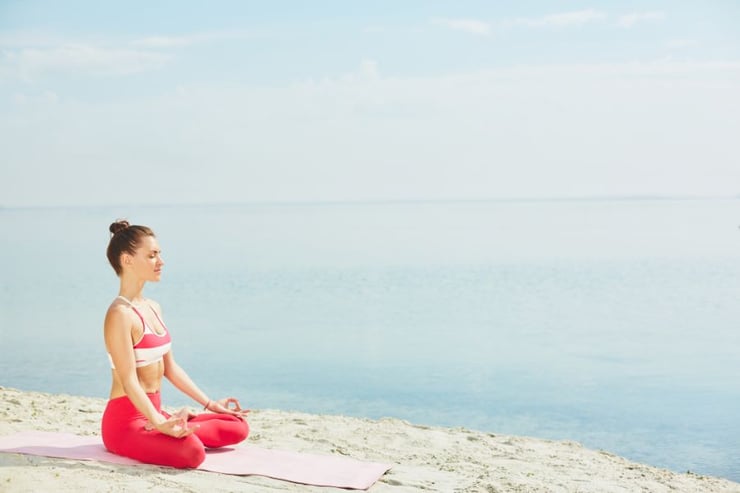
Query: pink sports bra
[152, 346]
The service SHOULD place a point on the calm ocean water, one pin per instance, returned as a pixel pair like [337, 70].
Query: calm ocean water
[613, 323]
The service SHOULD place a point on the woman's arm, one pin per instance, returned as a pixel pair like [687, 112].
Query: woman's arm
[117, 331]
[180, 379]
[174, 372]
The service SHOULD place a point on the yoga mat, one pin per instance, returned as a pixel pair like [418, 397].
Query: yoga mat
[296, 467]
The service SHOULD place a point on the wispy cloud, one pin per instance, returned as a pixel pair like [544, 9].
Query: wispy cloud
[681, 43]
[164, 41]
[565, 19]
[629, 20]
[367, 71]
[651, 70]
[471, 26]
[31, 54]
[29, 63]
[373, 29]
[501, 111]
[159, 42]
[44, 98]
[29, 38]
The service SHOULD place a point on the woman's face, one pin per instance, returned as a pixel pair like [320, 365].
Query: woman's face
[147, 263]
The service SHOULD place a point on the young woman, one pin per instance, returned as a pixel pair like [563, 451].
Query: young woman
[139, 348]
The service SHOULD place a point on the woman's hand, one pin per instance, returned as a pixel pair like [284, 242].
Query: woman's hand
[228, 405]
[175, 426]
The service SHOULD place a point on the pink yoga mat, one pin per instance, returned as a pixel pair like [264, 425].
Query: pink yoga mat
[296, 467]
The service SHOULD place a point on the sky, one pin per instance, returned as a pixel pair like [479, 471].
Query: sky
[182, 102]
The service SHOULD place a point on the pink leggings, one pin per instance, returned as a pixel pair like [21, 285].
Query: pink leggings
[124, 434]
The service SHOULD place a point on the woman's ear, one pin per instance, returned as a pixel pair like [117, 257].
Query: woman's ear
[126, 259]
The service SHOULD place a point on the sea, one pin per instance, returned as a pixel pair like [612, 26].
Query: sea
[611, 322]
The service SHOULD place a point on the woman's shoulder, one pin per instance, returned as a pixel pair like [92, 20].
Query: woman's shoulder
[117, 312]
[119, 304]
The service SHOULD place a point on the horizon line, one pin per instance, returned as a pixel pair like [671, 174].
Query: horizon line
[332, 202]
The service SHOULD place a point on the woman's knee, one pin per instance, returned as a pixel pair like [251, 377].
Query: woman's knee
[221, 430]
[190, 455]
[238, 430]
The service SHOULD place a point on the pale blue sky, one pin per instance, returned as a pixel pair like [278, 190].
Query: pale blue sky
[212, 102]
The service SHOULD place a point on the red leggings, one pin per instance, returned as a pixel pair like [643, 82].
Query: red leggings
[124, 434]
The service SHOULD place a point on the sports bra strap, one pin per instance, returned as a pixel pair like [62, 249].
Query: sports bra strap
[157, 315]
[143, 322]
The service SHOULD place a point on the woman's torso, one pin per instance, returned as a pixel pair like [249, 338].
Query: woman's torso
[149, 337]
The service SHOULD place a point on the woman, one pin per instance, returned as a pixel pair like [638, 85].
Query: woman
[138, 345]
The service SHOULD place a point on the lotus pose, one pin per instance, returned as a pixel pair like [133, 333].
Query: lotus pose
[139, 348]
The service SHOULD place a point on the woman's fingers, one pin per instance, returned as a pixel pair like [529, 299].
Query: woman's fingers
[231, 406]
[228, 402]
[176, 427]
[183, 430]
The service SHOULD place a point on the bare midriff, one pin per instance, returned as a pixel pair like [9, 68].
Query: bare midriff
[150, 379]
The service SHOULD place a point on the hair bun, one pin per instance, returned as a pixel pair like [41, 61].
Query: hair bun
[119, 225]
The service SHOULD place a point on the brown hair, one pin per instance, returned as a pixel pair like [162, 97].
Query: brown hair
[125, 238]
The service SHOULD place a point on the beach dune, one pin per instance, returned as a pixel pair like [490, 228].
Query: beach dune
[424, 458]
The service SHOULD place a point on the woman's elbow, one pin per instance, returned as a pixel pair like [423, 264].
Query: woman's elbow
[129, 383]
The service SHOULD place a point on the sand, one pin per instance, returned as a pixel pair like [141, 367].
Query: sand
[424, 458]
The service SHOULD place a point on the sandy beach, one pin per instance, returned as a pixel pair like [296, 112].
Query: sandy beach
[424, 458]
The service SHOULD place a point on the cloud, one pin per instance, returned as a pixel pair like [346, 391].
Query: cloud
[681, 43]
[27, 55]
[629, 20]
[159, 42]
[369, 69]
[366, 72]
[29, 63]
[470, 26]
[471, 134]
[566, 19]
[164, 41]
[28, 38]
[43, 98]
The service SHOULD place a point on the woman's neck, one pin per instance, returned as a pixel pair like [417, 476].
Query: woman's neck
[132, 289]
